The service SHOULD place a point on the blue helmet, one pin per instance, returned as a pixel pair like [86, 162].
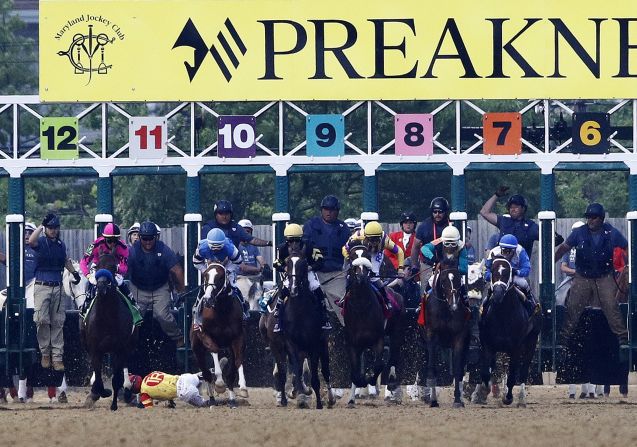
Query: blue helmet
[508, 241]
[148, 229]
[223, 206]
[330, 202]
[216, 239]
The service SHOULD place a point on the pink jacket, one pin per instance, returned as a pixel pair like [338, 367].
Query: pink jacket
[100, 247]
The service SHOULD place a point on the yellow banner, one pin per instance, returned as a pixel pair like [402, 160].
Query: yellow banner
[200, 50]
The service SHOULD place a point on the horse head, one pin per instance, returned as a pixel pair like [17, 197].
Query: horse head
[448, 287]
[501, 278]
[216, 282]
[360, 264]
[105, 281]
[296, 267]
[76, 291]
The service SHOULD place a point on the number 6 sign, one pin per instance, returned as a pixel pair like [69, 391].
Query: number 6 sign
[591, 132]
[147, 137]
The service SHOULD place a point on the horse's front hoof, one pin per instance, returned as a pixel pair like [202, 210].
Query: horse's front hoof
[301, 402]
[281, 403]
[458, 405]
[105, 393]
[507, 400]
[434, 404]
[220, 387]
[521, 404]
[351, 404]
[232, 403]
[114, 406]
[243, 393]
[90, 400]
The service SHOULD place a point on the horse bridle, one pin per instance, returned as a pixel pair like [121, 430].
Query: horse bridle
[207, 285]
[507, 284]
[361, 260]
[294, 278]
[454, 292]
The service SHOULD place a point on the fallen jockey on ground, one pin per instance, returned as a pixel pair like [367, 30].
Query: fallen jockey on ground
[376, 241]
[165, 387]
[293, 234]
[513, 252]
[217, 248]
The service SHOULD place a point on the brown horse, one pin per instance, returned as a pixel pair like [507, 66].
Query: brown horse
[108, 329]
[222, 328]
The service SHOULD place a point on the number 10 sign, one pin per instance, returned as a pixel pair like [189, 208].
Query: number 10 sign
[236, 138]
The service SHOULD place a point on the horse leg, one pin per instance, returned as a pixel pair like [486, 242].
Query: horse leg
[355, 374]
[481, 392]
[200, 352]
[97, 388]
[379, 365]
[220, 385]
[316, 383]
[117, 380]
[299, 386]
[514, 364]
[238, 348]
[327, 375]
[525, 363]
[128, 394]
[432, 367]
[459, 352]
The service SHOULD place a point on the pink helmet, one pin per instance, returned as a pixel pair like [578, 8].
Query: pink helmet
[111, 230]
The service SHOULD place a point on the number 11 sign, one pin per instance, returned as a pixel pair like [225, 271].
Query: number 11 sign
[147, 137]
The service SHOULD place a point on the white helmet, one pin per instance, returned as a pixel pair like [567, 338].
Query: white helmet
[451, 237]
[29, 226]
[245, 223]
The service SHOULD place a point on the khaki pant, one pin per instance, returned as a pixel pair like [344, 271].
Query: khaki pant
[334, 290]
[250, 287]
[159, 301]
[600, 293]
[49, 315]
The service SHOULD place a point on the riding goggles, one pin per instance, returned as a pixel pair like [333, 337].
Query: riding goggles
[506, 251]
[111, 240]
[449, 244]
[293, 240]
[437, 212]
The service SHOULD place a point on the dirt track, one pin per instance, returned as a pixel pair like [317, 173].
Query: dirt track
[550, 419]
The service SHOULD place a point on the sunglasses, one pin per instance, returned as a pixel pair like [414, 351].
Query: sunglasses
[111, 240]
[147, 238]
[437, 212]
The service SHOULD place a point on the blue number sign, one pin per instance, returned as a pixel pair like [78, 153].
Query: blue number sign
[325, 135]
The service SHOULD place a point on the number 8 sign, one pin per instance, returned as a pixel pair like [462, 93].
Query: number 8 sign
[414, 134]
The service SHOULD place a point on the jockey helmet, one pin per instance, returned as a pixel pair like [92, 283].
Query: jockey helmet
[111, 230]
[216, 239]
[595, 210]
[29, 226]
[54, 222]
[508, 241]
[517, 199]
[223, 206]
[577, 224]
[136, 383]
[351, 223]
[450, 236]
[293, 231]
[373, 229]
[245, 223]
[408, 216]
[439, 203]
[147, 228]
[133, 229]
[330, 202]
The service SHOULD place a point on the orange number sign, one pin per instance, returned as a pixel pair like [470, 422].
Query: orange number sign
[502, 133]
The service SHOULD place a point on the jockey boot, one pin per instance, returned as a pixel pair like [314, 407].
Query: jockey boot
[244, 305]
[90, 294]
[327, 325]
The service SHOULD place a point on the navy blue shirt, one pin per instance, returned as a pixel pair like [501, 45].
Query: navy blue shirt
[329, 239]
[427, 231]
[50, 257]
[249, 254]
[30, 264]
[236, 233]
[594, 251]
[150, 271]
[526, 231]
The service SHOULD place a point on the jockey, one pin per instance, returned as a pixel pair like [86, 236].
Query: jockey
[453, 253]
[161, 386]
[218, 248]
[404, 238]
[375, 239]
[293, 234]
[353, 224]
[132, 234]
[108, 243]
[509, 248]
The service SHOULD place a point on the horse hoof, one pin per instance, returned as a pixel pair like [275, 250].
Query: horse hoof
[521, 404]
[232, 404]
[243, 393]
[507, 401]
[351, 404]
[331, 403]
[90, 400]
[291, 394]
[281, 404]
[458, 405]
[434, 404]
[307, 390]
[106, 393]
[319, 406]
[302, 404]
[114, 406]
[220, 387]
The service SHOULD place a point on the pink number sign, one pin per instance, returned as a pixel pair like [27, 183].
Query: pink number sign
[414, 134]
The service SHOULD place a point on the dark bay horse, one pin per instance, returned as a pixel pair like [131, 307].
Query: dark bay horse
[507, 327]
[222, 328]
[366, 326]
[446, 325]
[108, 329]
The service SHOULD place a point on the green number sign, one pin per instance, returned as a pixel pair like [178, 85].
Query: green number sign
[58, 138]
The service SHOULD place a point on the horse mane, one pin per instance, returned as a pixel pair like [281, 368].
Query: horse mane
[107, 261]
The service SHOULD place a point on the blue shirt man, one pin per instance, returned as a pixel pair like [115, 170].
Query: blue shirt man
[236, 233]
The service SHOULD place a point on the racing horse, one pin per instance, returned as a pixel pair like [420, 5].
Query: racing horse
[366, 325]
[108, 329]
[507, 327]
[222, 328]
[446, 325]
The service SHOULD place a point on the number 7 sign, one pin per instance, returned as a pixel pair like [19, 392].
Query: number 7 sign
[147, 137]
[502, 133]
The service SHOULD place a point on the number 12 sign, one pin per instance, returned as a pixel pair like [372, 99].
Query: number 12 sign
[147, 137]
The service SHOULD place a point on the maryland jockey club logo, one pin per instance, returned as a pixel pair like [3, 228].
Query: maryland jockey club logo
[190, 37]
[87, 52]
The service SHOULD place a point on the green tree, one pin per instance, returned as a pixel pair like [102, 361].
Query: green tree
[18, 55]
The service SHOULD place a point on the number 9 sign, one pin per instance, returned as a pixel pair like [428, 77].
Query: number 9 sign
[591, 132]
[325, 135]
